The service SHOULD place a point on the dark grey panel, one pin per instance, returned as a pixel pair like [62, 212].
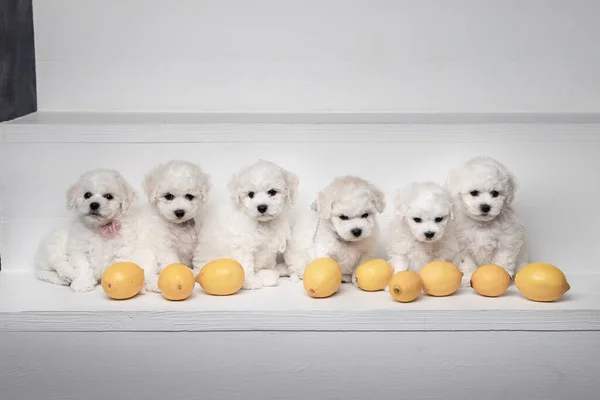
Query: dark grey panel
[17, 59]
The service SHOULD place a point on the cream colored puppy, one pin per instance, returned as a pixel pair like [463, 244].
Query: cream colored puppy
[423, 229]
[177, 193]
[344, 227]
[103, 232]
[488, 229]
[254, 228]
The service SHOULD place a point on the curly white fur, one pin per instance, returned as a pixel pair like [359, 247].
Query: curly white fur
[254, 228]
[103, 232]
[177, 193]
[344, 227]
[423, 229]
[488, 230]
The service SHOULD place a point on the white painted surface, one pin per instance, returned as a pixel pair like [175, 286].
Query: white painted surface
[318, 55]
[555, 162]
[27, 305]
[300, 365]
[45, 119]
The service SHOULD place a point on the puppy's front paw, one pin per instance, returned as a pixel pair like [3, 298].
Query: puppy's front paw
[83, 284]
[295, 277]
[347, 278]
[268, 277]
[152, 284]
[354, 281]
[67, 274]
[252, 282]
[282, 269]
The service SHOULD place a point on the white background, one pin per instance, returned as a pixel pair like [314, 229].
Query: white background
[318, 55]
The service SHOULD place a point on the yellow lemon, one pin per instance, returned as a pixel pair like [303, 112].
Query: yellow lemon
[373, 275]
[440, 278]
[490, 280]
[405, 286]
[322, 277]
[176, 282]
[221, 277]
[123, 280]
[541, 282]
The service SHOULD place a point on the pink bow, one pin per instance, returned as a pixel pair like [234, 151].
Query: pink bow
[110, 230]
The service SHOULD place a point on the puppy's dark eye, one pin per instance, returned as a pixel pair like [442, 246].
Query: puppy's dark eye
[108, 196]
[169, 197]
[251, 194]
[344, 217]
[417, 220]
[365, 215]
[495, 193]
[87, 195]
[474, 193]
[439, 219]
[272, 192]
[190, 197]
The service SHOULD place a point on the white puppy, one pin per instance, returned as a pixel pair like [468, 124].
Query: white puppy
[255, 228]
[102, 233]
[177, 192]
[423, 229]
[344, 228]
[488, 230]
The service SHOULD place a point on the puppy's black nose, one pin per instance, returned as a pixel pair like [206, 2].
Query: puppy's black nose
[179, 213]
[356, 232]
[485, 208]
[262, 208]
[94, 206]
[429, 235]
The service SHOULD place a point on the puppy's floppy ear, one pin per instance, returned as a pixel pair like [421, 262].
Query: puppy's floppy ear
[291, 183]
[233, 190]
[202, 184]
[378, 198]
[150, 184]
[323, 204]
[130, 195]
[71, 194]
[205, 188]
[511, 183]
[447, 198]
[400, 203]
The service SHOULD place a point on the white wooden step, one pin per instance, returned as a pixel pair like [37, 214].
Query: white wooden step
[30, 305]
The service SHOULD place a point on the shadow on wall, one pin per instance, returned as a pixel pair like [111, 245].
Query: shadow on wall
[17, 60]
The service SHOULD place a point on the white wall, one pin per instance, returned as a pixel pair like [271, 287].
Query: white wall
[318, 55]
[300, 365]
